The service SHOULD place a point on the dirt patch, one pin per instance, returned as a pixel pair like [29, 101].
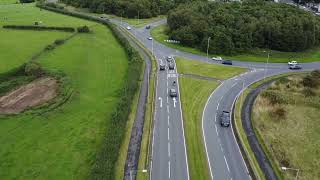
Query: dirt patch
[33, 94]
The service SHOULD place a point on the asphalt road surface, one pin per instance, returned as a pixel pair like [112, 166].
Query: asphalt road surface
[169, 160]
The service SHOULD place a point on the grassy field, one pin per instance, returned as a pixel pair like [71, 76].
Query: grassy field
[63, 143]
[5, 2]
[18, 46]
[286, 118]
[258, 55]
[186, 66]
[194, 94]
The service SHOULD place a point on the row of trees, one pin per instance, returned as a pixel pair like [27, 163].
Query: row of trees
[128, 8]
[238, 27]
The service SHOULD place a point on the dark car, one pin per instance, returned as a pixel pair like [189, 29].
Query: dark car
[171, 66]
[162, 67]
[227, 62]
[148, 27]
[295, 66]
[225, 119]
[173, 93]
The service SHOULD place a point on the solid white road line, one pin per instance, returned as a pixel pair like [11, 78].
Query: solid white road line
[169, 167]
[203, 135]
[226, 163]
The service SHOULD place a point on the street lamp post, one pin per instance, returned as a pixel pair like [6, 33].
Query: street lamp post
[297, 170]
[208, 47]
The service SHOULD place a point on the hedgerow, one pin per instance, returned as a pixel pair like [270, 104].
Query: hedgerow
[40, 28]
[107, 156]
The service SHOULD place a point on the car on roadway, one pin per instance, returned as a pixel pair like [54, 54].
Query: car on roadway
[173, 93]
[149, 38]
[218, 58]
[171, 66]
[225, 119]
[292, 63]
[128, 27]
[227, 62]
[162, 67]
[148, 27]
[295, 66]
[170, 58]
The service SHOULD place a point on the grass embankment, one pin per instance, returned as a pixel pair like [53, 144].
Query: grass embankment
[194, 94]
[258, 55]
[237, 117]
[286, 118]
[6, 2]
[23, 44]
[63, 143]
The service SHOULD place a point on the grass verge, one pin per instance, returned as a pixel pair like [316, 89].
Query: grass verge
[186, 66]
[159, 33]
[194, 94]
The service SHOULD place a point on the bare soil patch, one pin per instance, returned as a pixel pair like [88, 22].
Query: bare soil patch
[33, 94]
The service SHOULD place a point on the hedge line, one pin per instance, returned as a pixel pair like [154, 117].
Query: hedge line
[106, 158]
[39, 28]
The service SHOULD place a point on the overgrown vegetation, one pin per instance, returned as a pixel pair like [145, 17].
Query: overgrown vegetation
[288, 126]
[238, 27]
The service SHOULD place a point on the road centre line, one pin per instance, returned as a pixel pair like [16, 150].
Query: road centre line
[169, 169]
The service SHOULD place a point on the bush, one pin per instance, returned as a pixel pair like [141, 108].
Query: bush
[83, 29]
[49, 47]
[273, 97]
[59, 41]
[33, 69]
[40, 28]
[310, 81]
[26, 1]
[279, 113]
[308, 91]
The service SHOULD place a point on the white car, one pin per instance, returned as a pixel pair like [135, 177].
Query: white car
[292, 63]
[217, 58]
[128, 27]
[149, 38]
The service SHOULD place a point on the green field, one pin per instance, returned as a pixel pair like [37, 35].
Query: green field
[62, 143]
[258, 55]
[5, 2]
[286, 118]
[18, 46]
[194, 95]
[187, 66]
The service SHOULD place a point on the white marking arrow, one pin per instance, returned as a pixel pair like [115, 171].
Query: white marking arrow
[160, 99]
[174, 102]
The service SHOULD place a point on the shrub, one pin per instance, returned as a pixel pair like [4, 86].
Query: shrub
[49, 47]
[316, 74]
[279, 113]
[33, 69]
[308, 91]
[310, 81]
[274, 97]
[83, 29]
[59, 41]
[26, 1]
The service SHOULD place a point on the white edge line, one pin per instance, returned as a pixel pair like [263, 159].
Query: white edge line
[184, 138]
[203, 136]
[154, 123]
[225, 160]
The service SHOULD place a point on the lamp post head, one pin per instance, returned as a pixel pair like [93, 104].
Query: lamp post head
[144, 171]
[284, 168]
